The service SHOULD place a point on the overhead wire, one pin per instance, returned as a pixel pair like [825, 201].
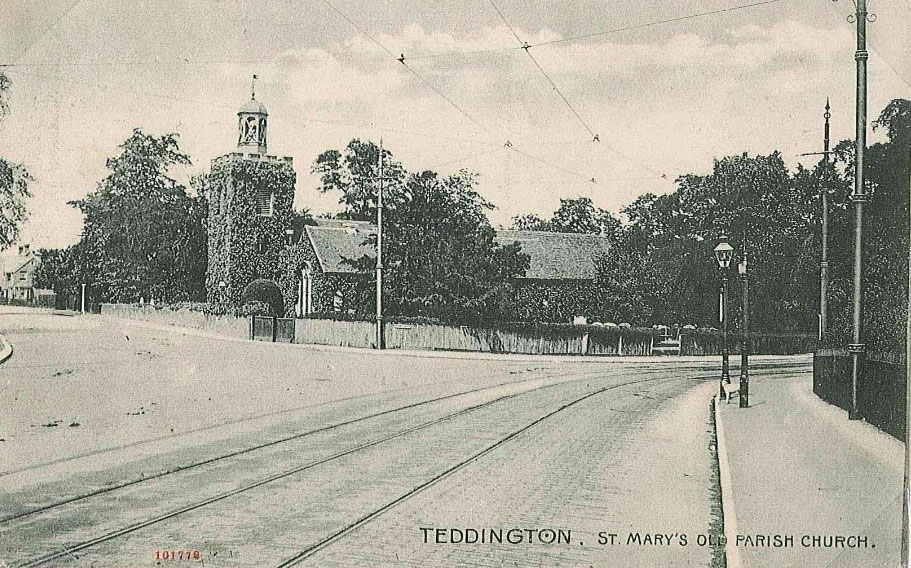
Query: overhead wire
[878, 53]
[525, 46]
[595, 138]
[656, 23]
[403, 60]
[454, 53]
[47, 30]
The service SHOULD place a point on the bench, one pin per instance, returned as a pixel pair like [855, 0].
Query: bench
[731, 389]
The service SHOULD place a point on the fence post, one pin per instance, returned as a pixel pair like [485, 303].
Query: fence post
[274, 329]
[651, 344]
[585, 343]
[252, 326]
[620, 342]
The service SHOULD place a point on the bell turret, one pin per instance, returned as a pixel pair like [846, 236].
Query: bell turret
[251, 126]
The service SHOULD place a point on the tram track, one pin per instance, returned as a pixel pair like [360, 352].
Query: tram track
[784, 369]
[270, 443]
[323, 543]
[112, 535]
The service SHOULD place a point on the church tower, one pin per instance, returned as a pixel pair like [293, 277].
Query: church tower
[251, 196]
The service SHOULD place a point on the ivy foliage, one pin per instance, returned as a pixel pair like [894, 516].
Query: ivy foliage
[264, 292]
[243, 245]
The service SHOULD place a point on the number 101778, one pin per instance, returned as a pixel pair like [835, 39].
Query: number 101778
[177, 555]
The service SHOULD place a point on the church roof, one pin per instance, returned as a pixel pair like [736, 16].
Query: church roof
[253, 106]
[553, 256]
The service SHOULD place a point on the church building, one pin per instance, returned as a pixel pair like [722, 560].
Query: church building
[252, 234]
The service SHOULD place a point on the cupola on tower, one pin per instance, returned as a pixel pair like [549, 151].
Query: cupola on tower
[251, 127]
[251, 195]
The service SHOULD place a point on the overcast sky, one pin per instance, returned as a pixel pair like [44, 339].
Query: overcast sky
[664, 99]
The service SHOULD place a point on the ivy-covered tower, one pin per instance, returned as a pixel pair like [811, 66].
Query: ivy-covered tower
[251, 196]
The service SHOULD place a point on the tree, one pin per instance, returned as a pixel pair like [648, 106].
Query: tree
[530, 222]
[580, 215]
[56, 270]
[14, 180]
[144, 235]
[577, 215]
[439, 249]
[355, 174]
[761, 208]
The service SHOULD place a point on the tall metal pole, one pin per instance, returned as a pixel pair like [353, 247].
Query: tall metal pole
[824, 258]
[725, 351]
[380, 338]
[745, 343]
[859, 197]
[906, 493]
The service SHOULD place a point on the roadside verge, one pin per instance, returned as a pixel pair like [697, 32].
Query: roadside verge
[6, 349]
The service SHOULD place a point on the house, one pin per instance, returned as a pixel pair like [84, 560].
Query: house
[19, 275]
[557, 285]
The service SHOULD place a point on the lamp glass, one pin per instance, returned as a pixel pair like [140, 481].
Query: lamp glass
[723, 254]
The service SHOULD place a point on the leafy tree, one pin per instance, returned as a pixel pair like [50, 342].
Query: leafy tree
[355, 174]
[761, 208]
[577, 215]
[530, 222]
[440, 252]
[144, 235]
[581, 216]
[14, 180]
[56, 270]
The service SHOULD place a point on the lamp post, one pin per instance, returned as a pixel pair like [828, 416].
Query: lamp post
[745, 341]
[723, 254]
[380, 336]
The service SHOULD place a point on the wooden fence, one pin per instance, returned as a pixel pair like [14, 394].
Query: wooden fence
[223, 325]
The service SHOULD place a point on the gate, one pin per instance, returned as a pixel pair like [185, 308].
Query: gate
[273, 329]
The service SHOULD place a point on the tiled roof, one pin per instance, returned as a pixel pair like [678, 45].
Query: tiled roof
[558, 256]
[553, 256]
[334, 240]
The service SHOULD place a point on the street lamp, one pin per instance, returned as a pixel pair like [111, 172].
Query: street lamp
[745, 341]
[723, 254]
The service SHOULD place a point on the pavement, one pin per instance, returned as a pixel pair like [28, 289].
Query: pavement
[797, 467]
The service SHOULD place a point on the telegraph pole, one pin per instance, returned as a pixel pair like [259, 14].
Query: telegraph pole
[380, 336]
[906, 492]
[824, 257]
[857, 348]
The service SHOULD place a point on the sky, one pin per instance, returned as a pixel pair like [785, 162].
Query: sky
[664, 99]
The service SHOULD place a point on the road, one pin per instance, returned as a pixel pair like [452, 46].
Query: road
[129, 445]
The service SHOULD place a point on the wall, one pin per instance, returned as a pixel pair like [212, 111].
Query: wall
[228, 326]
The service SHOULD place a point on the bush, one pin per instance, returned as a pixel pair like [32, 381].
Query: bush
[266, 292]
[255, 308]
